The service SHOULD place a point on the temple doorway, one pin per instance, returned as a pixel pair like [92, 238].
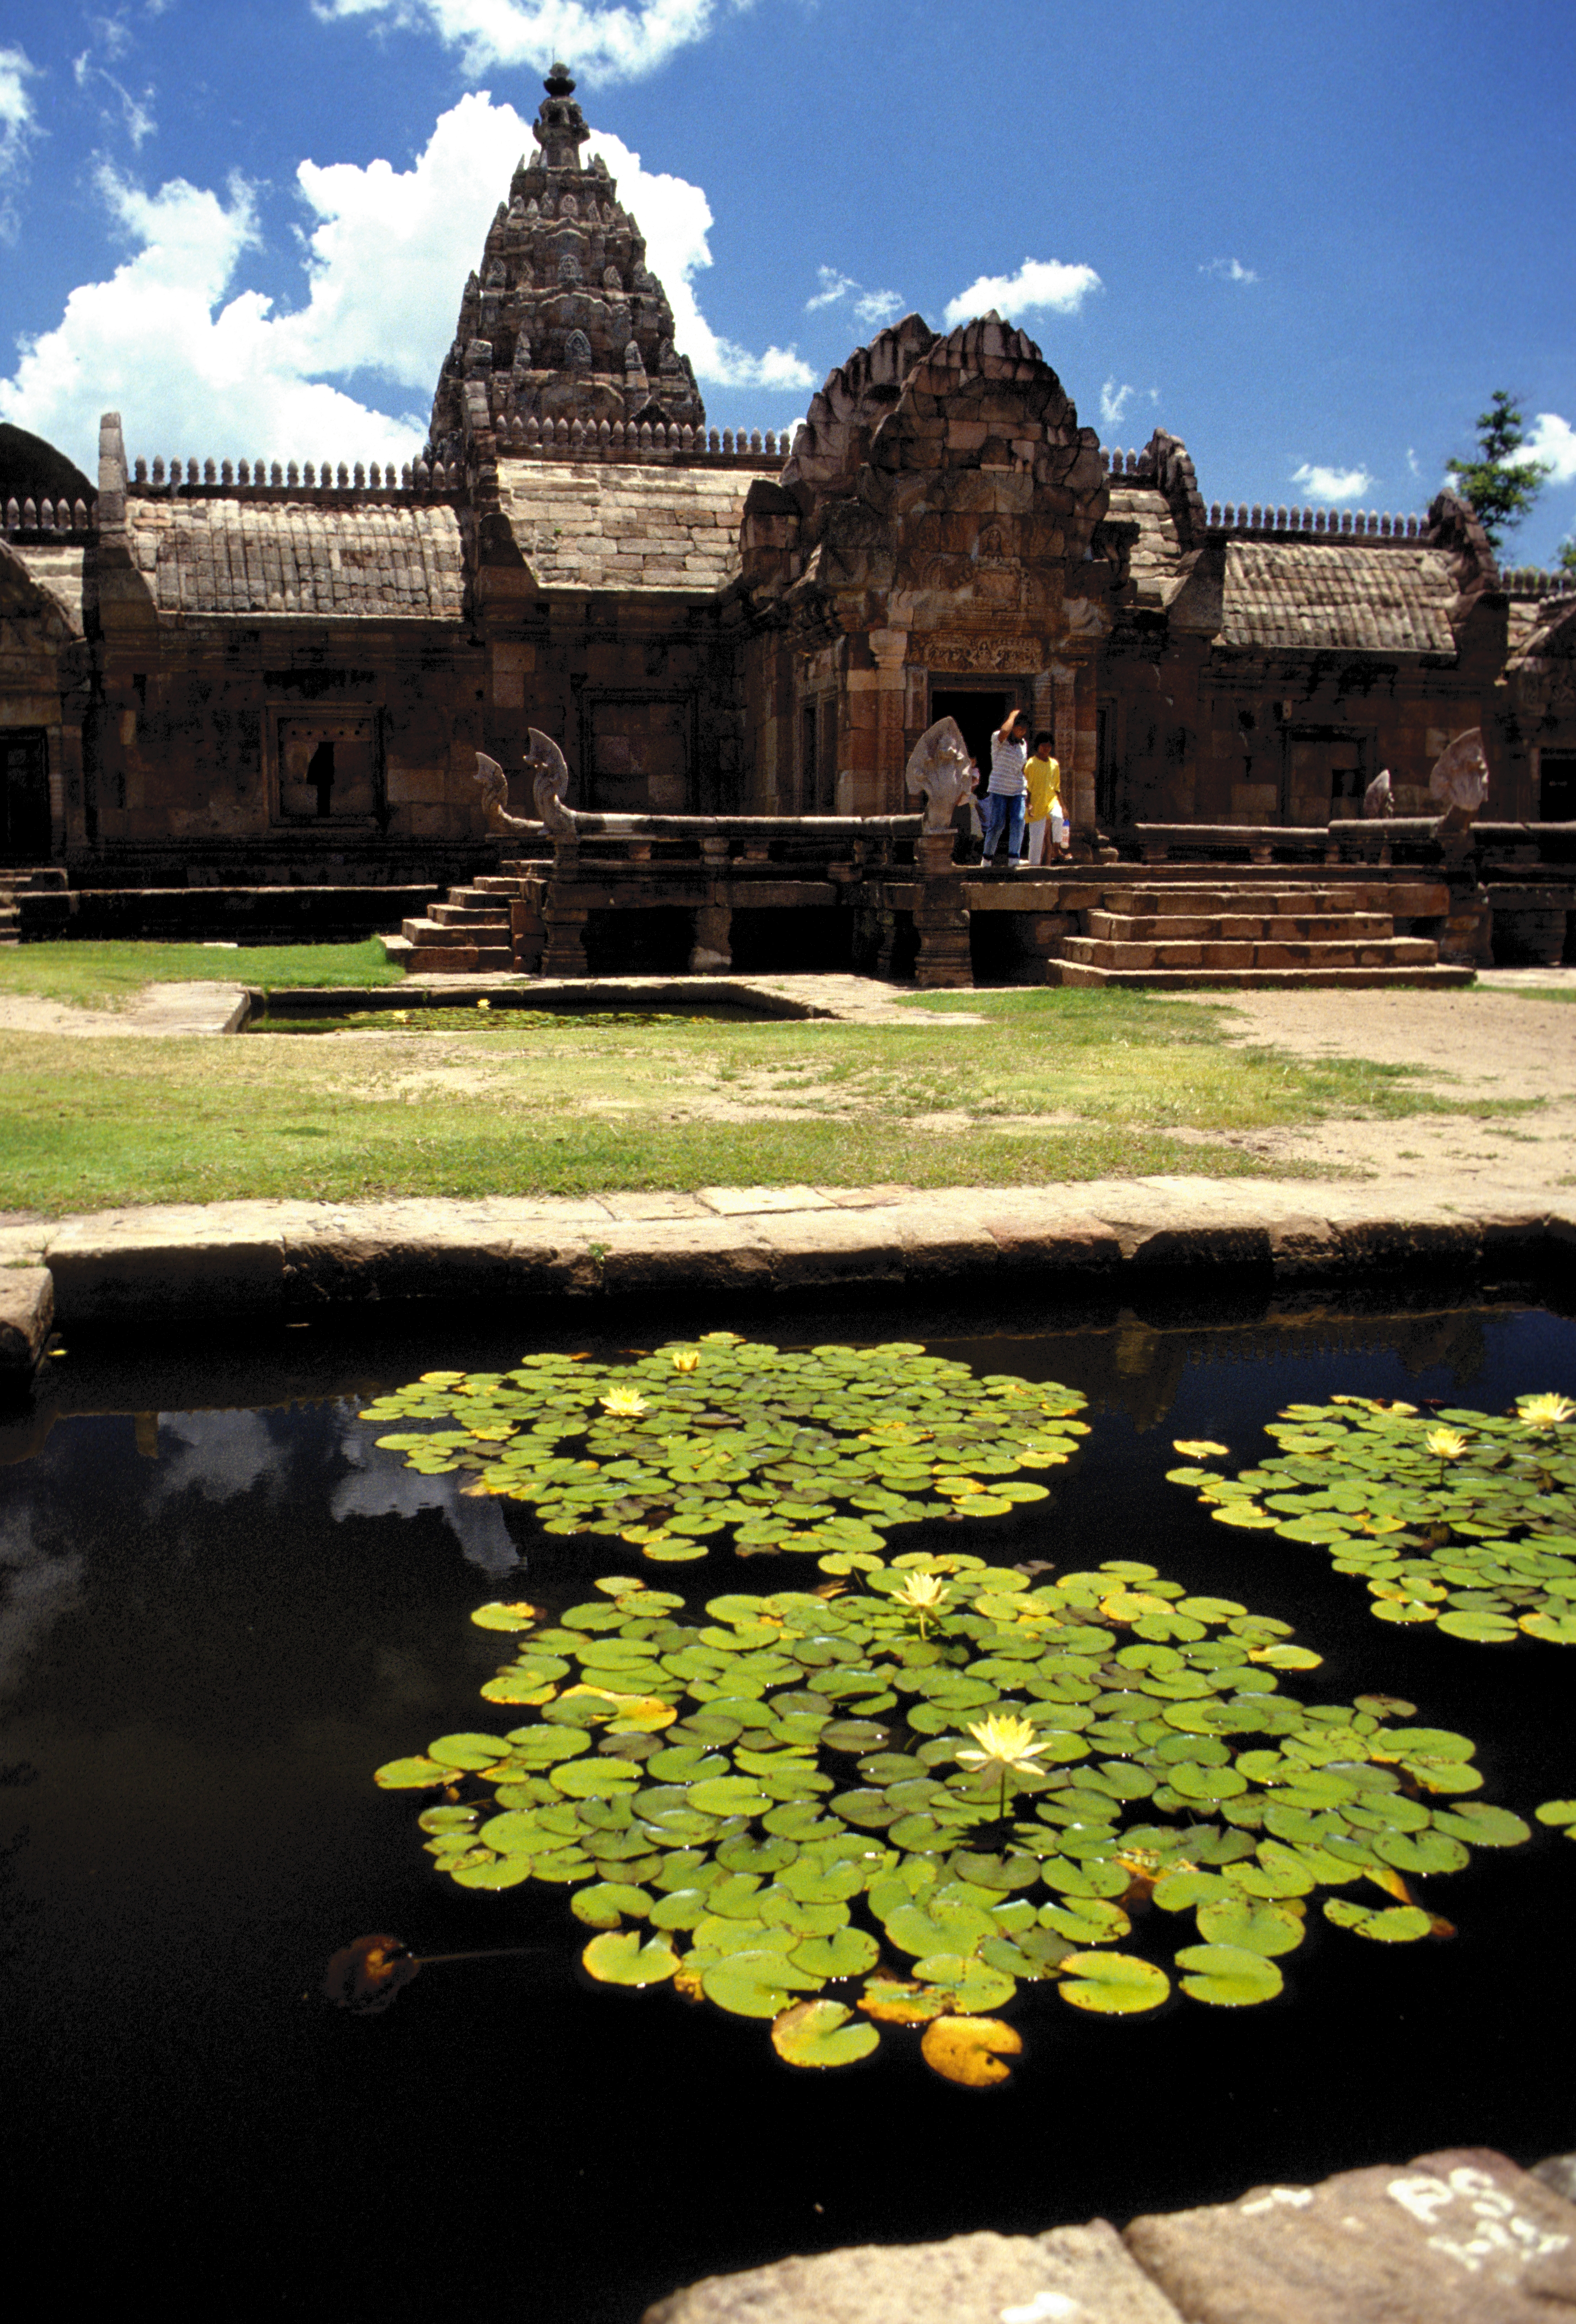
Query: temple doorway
[978, 711]
[25, 798]
[1557, 787]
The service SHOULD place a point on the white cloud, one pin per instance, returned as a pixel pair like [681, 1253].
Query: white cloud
[1553, 441]
[1040, 282]
[833, 286]
[18, 128]
[195, 365]
[619, 43]
[1114, 400]
[674, 216]
[189, 371]
[1229, 270]
[878, 306]
[1332, 485]
[1413, 465]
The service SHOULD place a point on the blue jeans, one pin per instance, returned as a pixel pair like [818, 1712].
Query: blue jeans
[998, 812]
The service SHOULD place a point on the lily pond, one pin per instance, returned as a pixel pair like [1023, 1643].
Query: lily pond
[551, 1822]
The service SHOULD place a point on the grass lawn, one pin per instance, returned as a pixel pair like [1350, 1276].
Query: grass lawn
[1054, 1086]
[93, 975]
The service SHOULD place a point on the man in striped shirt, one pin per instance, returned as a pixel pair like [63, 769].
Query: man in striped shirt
[1007, 791]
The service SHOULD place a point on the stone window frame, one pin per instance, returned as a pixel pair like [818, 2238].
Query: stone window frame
[587, 698]
[289, 706]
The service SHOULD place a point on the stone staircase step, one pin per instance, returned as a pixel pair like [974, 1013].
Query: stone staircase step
[1388, 952]
[1348, 927]
[437, 933]
[1165, 901]
[458, 960]
[1224, 979]
[460, 912]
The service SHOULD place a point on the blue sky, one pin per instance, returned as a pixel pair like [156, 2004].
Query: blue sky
[1308, 241]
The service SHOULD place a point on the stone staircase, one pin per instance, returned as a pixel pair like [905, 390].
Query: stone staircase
[469, 933]
[28, 880]
[1225, 933]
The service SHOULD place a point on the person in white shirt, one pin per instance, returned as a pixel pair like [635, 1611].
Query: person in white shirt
[1006, 792]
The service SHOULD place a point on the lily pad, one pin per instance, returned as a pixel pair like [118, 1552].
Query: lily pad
[624, 1959]
[970, 2050]
[821, 2034]
[1229, 1976]
[756, 1983]
[1395, 1924]
[1112, 1985]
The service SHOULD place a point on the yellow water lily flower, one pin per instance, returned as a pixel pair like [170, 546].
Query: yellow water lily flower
[685, 1359]
[1445, 1444]
[923, 1595]
[623, 1403]
[1005, 1741]
[1545, 1411]
[483, 1004]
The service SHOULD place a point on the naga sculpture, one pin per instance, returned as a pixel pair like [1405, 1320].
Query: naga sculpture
[940, 766]
[545, 763]
[1459, 780]
[1380, 798]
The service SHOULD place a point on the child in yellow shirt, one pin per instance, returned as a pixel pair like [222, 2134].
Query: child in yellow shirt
[1044, 785]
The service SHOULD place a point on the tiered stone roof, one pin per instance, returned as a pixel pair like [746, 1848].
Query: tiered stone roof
[219, 556]
[564, 321]
[599, 525]
[1325, 596]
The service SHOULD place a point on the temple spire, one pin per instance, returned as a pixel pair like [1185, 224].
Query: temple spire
[563, 321]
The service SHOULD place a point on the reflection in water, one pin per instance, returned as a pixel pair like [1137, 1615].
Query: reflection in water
[40, 1583]
[380, 1485]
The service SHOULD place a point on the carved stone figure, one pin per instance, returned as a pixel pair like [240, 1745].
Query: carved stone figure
[940, 766]
[1379, 799]
[494, 785]
[1459, 780]
[545, 763]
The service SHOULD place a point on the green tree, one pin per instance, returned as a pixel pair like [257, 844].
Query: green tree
[1568, 556]
[1501, 489]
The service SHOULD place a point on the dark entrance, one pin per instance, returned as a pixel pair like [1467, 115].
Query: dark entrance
[979, 712]
[1557, 787]
[24, 797]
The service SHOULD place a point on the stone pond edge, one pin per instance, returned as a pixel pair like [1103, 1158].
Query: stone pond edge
[196, 1262]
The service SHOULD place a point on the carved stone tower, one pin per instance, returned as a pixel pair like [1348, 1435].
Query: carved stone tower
[564, 321]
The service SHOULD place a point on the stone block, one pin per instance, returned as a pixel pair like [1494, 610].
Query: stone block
[682, 1258]
[1459, 2237]
[831, 1247]
[415, 786]
[1038, 1237]
[27, 1311]
[173, 1260]
[1073, 2275]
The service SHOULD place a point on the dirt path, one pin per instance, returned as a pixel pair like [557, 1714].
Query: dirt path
[1497, 1042]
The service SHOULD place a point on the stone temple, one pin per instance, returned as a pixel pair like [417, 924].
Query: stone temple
[250, 691]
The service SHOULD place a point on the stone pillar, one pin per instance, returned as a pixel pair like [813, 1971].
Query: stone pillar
[888, 648]
[564, 915]
[711, 949]
[1076, 748]
[940, 924]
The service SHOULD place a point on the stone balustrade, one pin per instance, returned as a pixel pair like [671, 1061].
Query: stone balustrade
[242, 479]
[36, 513]
[615, 440]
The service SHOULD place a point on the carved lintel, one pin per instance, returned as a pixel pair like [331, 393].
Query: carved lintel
[989, 651]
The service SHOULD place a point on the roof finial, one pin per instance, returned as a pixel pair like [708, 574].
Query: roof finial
[560, 127]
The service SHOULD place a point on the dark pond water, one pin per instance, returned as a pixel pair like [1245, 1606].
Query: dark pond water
[224, 1608]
